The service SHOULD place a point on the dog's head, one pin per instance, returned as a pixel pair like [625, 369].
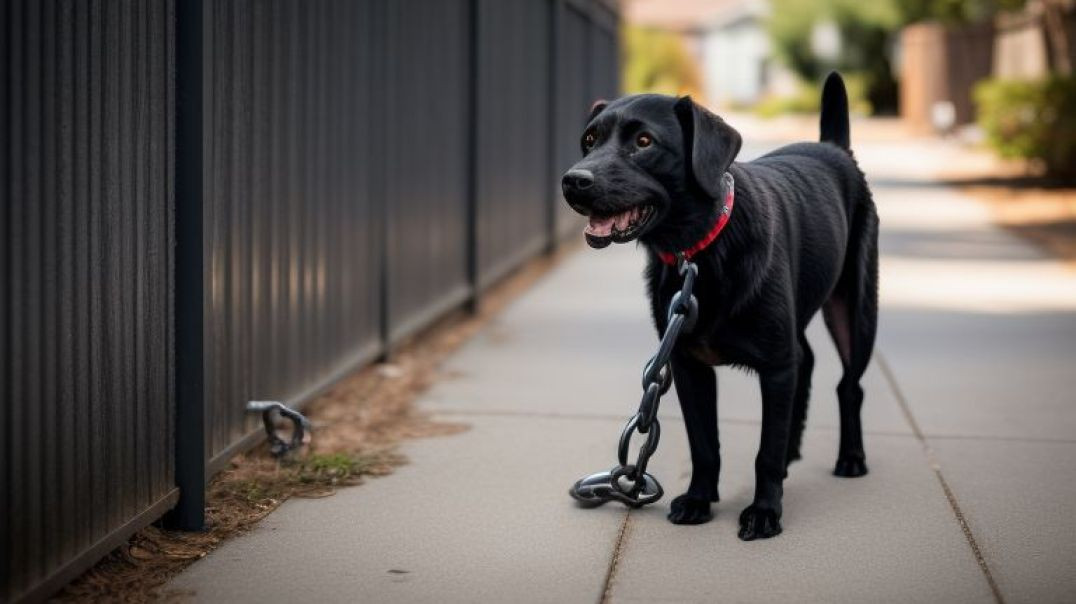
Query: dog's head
[651, 167]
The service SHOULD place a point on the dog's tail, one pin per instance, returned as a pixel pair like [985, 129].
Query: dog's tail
[834, 122]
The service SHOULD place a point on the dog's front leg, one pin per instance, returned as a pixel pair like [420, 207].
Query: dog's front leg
[696, 386]
[762, 519]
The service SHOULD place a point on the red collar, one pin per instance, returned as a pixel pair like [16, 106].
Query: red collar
[722, 220]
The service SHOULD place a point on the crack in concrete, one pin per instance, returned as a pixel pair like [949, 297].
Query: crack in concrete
[1015, 439]
[614, 560]
[936, 467]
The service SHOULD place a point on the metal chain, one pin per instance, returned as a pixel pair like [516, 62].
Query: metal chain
[629, 483]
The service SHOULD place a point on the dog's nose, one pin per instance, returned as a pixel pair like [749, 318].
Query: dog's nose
[577, 180]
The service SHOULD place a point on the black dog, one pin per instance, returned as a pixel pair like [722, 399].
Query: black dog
[802, 236]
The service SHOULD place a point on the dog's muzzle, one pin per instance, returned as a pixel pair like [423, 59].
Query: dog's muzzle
[623, 227]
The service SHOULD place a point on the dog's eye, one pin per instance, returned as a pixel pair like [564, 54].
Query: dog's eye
[589, 139]
[643, 141]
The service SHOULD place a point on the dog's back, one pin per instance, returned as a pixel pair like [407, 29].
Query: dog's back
[819, 203]
[825, 169]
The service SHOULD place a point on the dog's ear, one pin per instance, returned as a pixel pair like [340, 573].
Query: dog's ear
[598, 106]
[710, 144]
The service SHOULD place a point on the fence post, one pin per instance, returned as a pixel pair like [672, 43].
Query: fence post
[379, 132]
[189, 513]
[473, 275]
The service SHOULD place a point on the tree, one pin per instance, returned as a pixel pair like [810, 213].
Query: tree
[1053, 17]
[865, 30]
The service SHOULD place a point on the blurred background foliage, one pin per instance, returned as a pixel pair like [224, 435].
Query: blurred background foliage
[867, 31]
[656, 61]
[1033, 120]
[953, 12]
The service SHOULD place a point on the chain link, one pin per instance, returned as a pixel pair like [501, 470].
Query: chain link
[626, 482]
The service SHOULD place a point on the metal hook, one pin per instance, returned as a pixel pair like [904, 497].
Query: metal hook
[278, 447]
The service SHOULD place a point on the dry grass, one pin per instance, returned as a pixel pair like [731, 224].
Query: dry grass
[356, 427]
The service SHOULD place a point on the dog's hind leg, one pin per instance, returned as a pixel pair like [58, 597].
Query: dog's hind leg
[799, 403]
[696, 386]
[851, 315]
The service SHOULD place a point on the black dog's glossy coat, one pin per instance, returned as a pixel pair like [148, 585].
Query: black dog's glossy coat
[802, 237]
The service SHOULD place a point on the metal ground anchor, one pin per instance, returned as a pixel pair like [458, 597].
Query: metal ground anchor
[278, 447]
[597, 489]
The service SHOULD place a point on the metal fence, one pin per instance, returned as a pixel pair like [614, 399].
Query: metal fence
[208, 202]
[86, 300]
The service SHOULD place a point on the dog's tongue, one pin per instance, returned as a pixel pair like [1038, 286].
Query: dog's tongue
[600, 227]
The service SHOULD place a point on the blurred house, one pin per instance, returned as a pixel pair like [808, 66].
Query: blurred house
[729, 40]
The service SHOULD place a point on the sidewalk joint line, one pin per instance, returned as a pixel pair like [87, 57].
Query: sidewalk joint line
[732, 421]
[588, 416]
[932, 461]
[541, 414]
[614, 561]
[1015, 439]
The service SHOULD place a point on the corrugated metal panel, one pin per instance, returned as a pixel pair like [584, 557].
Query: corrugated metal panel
[291, 230]
[513, 138]
[87, 393]
[425, 147]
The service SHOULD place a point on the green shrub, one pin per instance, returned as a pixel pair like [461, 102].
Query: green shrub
[866, 32]
[1031, 120]
[808, 99]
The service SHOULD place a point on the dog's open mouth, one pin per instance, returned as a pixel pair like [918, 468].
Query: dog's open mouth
[617, 228]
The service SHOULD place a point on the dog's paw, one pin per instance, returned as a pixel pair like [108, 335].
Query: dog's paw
[759, 523]
[688, 509]
[850, 467]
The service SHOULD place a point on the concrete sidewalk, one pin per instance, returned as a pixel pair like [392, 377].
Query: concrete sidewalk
[970, 419]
